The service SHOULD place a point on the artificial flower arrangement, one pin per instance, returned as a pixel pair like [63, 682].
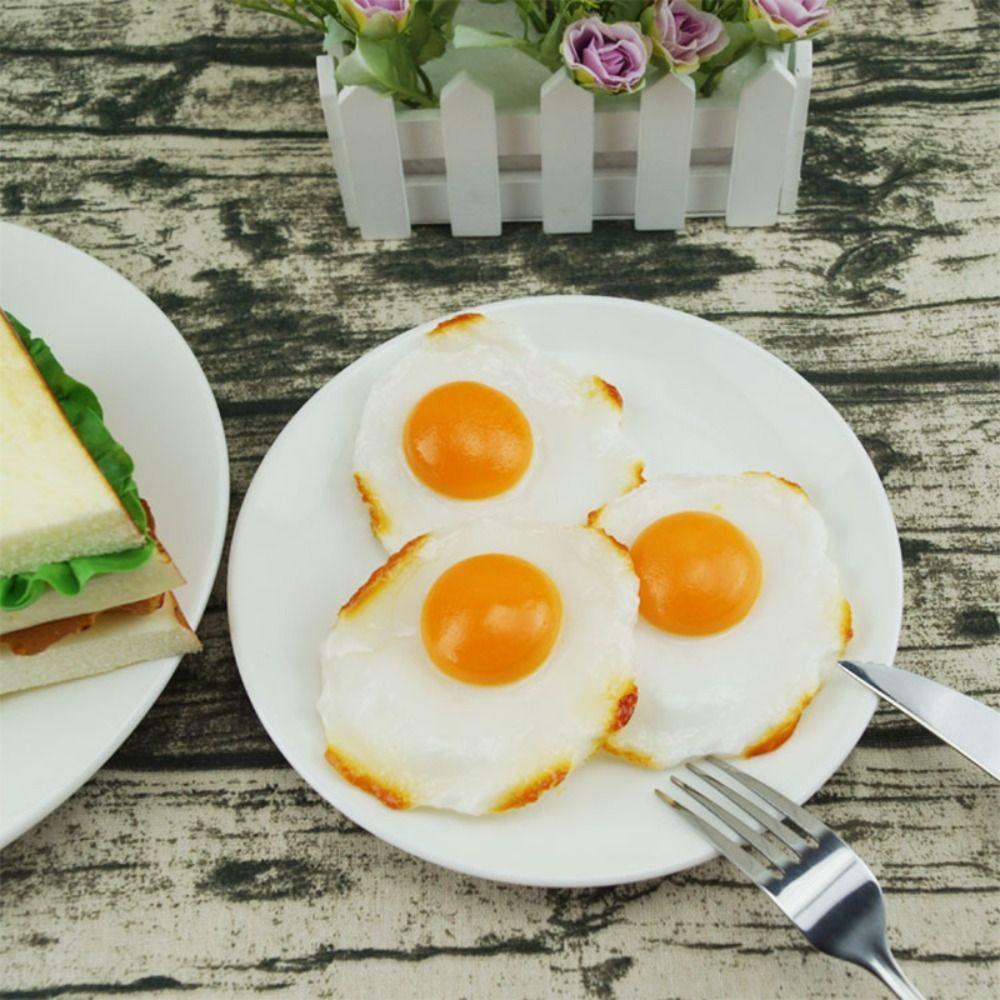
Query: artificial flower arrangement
[608, 46]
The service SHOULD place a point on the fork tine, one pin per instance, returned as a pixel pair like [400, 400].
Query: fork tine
[774, 854]
[802, 819]
[785, 834]
[746, 863]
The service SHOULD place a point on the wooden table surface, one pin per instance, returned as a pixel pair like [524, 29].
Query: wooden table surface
[182, 143]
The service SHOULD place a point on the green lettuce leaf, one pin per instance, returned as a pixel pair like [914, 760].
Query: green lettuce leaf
[83, 411]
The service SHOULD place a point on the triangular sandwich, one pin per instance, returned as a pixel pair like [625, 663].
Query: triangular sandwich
[84, 581]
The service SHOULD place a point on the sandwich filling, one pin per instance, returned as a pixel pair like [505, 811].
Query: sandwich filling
[38, 638]
[85, 585]
[84, 413]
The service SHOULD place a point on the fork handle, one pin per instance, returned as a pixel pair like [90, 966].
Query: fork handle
[887, 969]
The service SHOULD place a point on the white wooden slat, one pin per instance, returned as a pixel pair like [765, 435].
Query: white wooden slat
[334, 129]
[567, 143]
[801, 67]
[372, 143]
[708, 189]
[759, 145]
[469, 136]
[614, 194]
[666, 122]
[615, 130]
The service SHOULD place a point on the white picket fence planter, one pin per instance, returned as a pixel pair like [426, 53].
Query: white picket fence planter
[565, 163]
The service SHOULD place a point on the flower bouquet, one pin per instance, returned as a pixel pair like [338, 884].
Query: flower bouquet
[562, 110]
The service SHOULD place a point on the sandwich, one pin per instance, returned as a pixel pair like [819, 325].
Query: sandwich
[85, 584]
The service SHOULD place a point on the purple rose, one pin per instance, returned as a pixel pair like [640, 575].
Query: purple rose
[607, 57]
[683, 35]
[377, 18]
[792, 19]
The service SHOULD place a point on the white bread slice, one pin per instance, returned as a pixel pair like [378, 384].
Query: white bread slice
[116, 639]
[55, 503]
[110, 590]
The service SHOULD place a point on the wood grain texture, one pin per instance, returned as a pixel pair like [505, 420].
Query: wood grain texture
[183, 144]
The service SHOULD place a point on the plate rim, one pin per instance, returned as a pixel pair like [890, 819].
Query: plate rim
[27, 819]
[740, 343]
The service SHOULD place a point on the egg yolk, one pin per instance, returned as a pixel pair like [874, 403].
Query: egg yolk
[491, 619]
[467, 440]
[698, 573]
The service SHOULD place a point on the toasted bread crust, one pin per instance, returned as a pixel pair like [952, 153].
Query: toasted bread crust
[179, 615]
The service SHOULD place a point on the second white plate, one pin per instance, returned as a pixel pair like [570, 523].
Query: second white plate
[698, 398]
[159, 404]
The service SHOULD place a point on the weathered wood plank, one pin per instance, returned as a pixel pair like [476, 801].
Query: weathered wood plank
[194, 206]
[357, 915]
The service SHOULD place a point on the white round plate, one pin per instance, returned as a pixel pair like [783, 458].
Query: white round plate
[159, 405]
[698, 398]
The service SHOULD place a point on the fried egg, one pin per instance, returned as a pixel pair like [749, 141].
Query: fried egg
[477, 667]
[741, 614]
[476, 421]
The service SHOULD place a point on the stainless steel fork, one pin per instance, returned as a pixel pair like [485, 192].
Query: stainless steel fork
[817, 881]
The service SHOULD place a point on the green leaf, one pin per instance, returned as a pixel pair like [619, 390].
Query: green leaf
[285, 10]
[385, 65]
[764, 32]
[433, 48]
[548, 47]
[443, 13]
[403, 66]
[419, 28]
[336, 34]
[624, 10]
[740, 40]
[83, 411]
[467, 37]
[353, 71]
[374, 63]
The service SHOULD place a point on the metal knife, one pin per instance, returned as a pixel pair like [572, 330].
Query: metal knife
[971, 727]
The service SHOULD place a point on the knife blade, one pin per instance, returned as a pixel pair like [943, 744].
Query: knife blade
[969, 726]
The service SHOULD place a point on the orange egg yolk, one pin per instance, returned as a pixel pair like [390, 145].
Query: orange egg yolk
[698, 573]
[491, 619]
[467, 440]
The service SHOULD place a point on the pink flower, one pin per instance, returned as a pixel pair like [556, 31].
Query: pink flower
[377, 18]
[683, 35]
[608, 57]
[792, 19]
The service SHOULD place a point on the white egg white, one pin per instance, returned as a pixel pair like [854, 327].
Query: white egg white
[402, 729]
[726, 692]
[581, 457]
